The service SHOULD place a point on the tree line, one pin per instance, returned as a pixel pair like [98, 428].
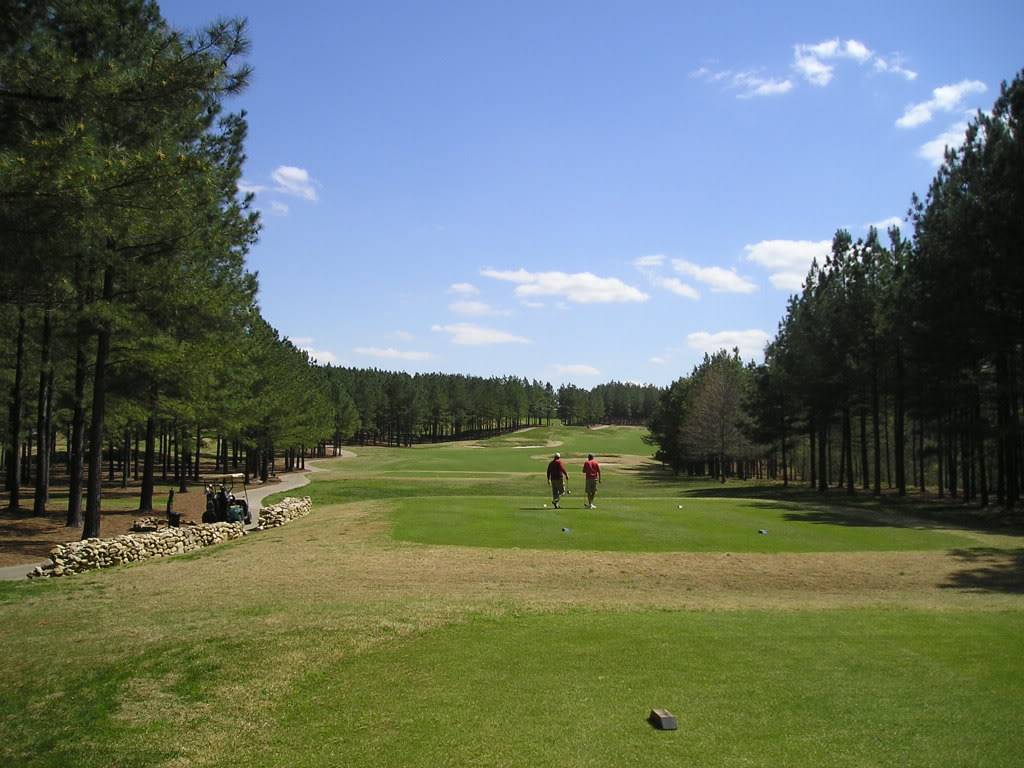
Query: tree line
[397, 408]
[130, 324]
[899, 362]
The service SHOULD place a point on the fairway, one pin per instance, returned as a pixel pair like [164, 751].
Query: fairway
[650, 525]
[432, 611]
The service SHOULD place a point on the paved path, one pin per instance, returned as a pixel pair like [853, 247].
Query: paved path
[290, 482]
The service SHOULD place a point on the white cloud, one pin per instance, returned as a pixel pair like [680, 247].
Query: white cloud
[533, 304]
[463, 289]
[578, 369]
[934, 151]
[649, 266]
[390, 353]
[475, 309]
[403, 335]
[809, 60]
[245, 187]
[814, 71]
[294, 181]
[580, 287]
[721, 280]
[649, 262]
[894, 66]
[749, 83]
[475, 335]
[751, 343]
[657, 360]
[787, 260]
[676, 286]
[278, 208]
[885, 224]
[945, 98]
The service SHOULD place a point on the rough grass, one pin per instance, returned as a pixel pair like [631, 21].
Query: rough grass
[332, 642]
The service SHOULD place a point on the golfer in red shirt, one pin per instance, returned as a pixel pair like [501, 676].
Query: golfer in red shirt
[556, 478]
[592, 472]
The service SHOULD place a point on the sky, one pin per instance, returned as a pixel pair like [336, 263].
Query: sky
[584, 191]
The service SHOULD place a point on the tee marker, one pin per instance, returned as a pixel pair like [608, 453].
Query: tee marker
[663, 720]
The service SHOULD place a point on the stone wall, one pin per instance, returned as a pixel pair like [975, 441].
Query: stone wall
[78, 556]
[284, 512]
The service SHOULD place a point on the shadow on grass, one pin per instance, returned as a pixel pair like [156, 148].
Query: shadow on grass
[915, 510]
[850, 520]
[989, 570]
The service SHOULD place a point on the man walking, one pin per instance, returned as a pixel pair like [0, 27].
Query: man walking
[556, 478]
[592, 473]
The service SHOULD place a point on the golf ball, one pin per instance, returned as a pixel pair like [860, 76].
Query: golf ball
[680, 506]
[545, 506]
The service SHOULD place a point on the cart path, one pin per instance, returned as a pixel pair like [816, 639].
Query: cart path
[292, 481]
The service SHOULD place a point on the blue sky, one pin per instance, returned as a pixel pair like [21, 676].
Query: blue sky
[583, 191]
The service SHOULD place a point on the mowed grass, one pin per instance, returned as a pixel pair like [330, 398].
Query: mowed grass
[844, 688]
[359, 636]
[652, 525]
[492, 494]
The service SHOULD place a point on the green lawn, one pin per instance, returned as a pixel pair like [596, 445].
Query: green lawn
[843, 688]
[491, 494]
[652, 525]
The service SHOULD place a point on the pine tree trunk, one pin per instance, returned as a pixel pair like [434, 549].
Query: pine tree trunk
[980, 442]
[91, 528]
[866, 480]
[76, 446]
[785, 458]
[822, 456]
[951, 460]
[149, 460]
[42, 490]
[181, 461]
[875, 428]
[940, 459]
[898, 426]
[848, 448]
[812, 450]
[126, 457]
[199, 451]
[14, 455]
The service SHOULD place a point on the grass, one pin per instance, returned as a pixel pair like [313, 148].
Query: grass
[651, 525]
[431, 611]
[835, 688]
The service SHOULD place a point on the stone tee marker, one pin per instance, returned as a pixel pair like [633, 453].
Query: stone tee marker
[663, 720]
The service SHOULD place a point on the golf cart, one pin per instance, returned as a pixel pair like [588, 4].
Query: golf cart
[222, 506]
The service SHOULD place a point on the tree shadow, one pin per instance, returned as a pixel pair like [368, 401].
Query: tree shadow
[862, 508]
[850, 519]
[988, 570]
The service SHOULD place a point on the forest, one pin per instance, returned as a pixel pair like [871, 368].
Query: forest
[898, 365]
